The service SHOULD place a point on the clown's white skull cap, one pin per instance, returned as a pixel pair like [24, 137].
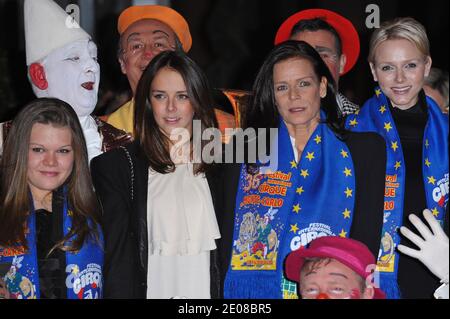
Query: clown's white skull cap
[48, 27]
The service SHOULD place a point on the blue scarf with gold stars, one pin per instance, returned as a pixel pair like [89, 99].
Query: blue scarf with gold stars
[83, 280]
[280, 211]
[375, 116]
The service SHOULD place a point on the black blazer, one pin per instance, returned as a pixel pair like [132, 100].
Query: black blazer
[368, 151]
[125, 222]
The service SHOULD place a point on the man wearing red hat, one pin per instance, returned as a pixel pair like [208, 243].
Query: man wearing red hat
[146, 31]
[333, 268]
[334, 38]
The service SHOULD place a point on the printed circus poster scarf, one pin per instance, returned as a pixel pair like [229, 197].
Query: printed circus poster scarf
[281, 211]
[375, 116]
[83, 269]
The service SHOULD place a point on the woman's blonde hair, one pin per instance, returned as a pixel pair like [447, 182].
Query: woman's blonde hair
[400, 28]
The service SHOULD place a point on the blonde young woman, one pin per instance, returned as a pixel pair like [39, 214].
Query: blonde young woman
[416, 134]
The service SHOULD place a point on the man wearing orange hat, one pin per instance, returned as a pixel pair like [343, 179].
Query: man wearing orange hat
[334, 38]
[146, 31]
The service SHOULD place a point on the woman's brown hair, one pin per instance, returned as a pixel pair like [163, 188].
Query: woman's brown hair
[14, 190]
[153, 141]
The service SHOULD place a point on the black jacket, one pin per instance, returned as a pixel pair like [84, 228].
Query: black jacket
[124, 222]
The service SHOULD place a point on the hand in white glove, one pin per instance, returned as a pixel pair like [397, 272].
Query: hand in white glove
[433, 245]
[92, 136]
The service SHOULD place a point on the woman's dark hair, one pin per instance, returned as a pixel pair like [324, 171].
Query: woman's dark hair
[14, 189]
[153, 141]
[262, 111]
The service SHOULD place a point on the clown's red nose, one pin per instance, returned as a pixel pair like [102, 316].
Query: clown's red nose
[322, 296]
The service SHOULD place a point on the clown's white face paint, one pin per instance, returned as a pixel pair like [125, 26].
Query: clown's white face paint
[73, 75]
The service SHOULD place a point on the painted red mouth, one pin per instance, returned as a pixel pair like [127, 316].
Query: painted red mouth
[88, 85]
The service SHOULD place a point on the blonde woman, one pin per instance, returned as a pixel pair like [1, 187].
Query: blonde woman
[416, 134]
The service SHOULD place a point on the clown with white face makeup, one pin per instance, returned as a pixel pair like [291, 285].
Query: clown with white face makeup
[71, 71]
[62, 63]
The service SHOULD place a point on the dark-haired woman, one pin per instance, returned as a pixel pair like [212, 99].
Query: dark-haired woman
[49, 233]
[158, 198]
[322, 180]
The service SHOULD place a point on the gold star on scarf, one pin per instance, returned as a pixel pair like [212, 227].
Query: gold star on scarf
[378, 92]
[397, 165]
[354, 122]
[344, 154]
[300, 190]
[293, 164]
[75, 270]
[431, 180]
[347, 172]
[427, 162]
[304, 173]
[294, 228]
[357, 112]
[348, 192]
[346, 213]
[310, 156]
[388, 126]
[343, 234]
[427, 144]
[318, 139]
[296, 208]
[394, 146]
[435, 212]
[382, 109]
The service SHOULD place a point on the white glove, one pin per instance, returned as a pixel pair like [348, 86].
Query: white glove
[92, 136]
[434, 246]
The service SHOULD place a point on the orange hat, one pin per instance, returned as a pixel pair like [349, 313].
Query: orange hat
[164, 14]
[345, 29]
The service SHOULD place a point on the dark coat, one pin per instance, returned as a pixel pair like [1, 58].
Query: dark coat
[124, 222]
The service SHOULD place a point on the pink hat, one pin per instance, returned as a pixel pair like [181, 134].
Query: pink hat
[345, 29]
[349, 252]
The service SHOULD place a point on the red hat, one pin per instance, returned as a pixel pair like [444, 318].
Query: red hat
[353, 254]
[161, 13]
[345, 29]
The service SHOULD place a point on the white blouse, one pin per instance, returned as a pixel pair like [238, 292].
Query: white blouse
[182, 229]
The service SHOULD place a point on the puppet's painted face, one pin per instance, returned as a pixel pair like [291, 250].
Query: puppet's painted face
[73, 75]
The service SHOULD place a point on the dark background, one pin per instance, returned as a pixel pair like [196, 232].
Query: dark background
[230, 41]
